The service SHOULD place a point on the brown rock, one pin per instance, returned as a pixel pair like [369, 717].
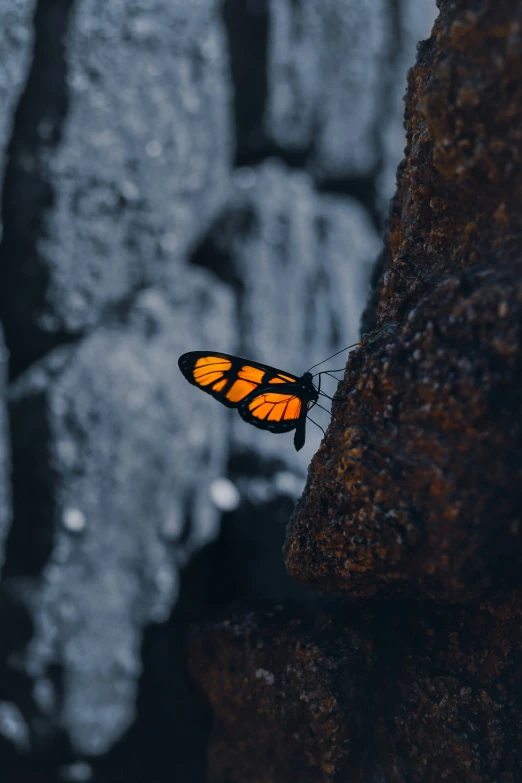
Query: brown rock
[460, 186]
[357, 696]
[273, 680]
[416, 488]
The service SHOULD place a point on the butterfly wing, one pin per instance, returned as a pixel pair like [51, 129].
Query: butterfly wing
[230, 379]
[276, 411]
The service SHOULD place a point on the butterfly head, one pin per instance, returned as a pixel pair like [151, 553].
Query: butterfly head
[308, 384]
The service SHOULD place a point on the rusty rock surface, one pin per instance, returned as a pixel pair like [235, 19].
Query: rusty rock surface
[460, 186]
[336, 693]
[416, 488]
[273, 680]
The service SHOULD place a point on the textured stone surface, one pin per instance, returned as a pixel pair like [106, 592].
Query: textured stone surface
[129, 164]
[273, 682]
[16, 40]
[327, 80]
[456, 206]
[417, 485]
[339, 694]
[118, 476]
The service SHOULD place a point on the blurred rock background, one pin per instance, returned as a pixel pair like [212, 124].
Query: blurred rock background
[176, 176]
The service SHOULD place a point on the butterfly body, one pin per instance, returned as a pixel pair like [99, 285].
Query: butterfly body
[264, 396]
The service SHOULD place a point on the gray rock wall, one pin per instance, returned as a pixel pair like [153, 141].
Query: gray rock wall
[132, 457]
[180, 176]
[127, 171]
[327, 80]
[16, 45]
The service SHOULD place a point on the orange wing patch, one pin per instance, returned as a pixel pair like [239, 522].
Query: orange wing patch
[248, 378]
[280, 378]
[206, 361]
[220, 385]
[240, 389]
[252, 374]
[275, 407]
[209, 369]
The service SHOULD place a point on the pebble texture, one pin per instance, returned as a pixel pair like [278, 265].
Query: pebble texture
[330, 693]
[416, 488]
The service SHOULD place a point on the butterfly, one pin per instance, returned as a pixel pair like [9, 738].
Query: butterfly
[271, 399]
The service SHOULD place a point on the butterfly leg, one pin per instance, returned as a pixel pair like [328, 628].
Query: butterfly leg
[318, 393]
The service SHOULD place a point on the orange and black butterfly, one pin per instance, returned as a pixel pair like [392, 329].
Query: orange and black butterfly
[270, 399]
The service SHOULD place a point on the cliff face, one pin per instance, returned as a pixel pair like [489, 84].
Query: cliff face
[175, 176]
[411, 511]
[416, 488]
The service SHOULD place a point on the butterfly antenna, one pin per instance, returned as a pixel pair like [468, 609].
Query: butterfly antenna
[334, 354]
[317, 425]
[341, 351]
[341, 369]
